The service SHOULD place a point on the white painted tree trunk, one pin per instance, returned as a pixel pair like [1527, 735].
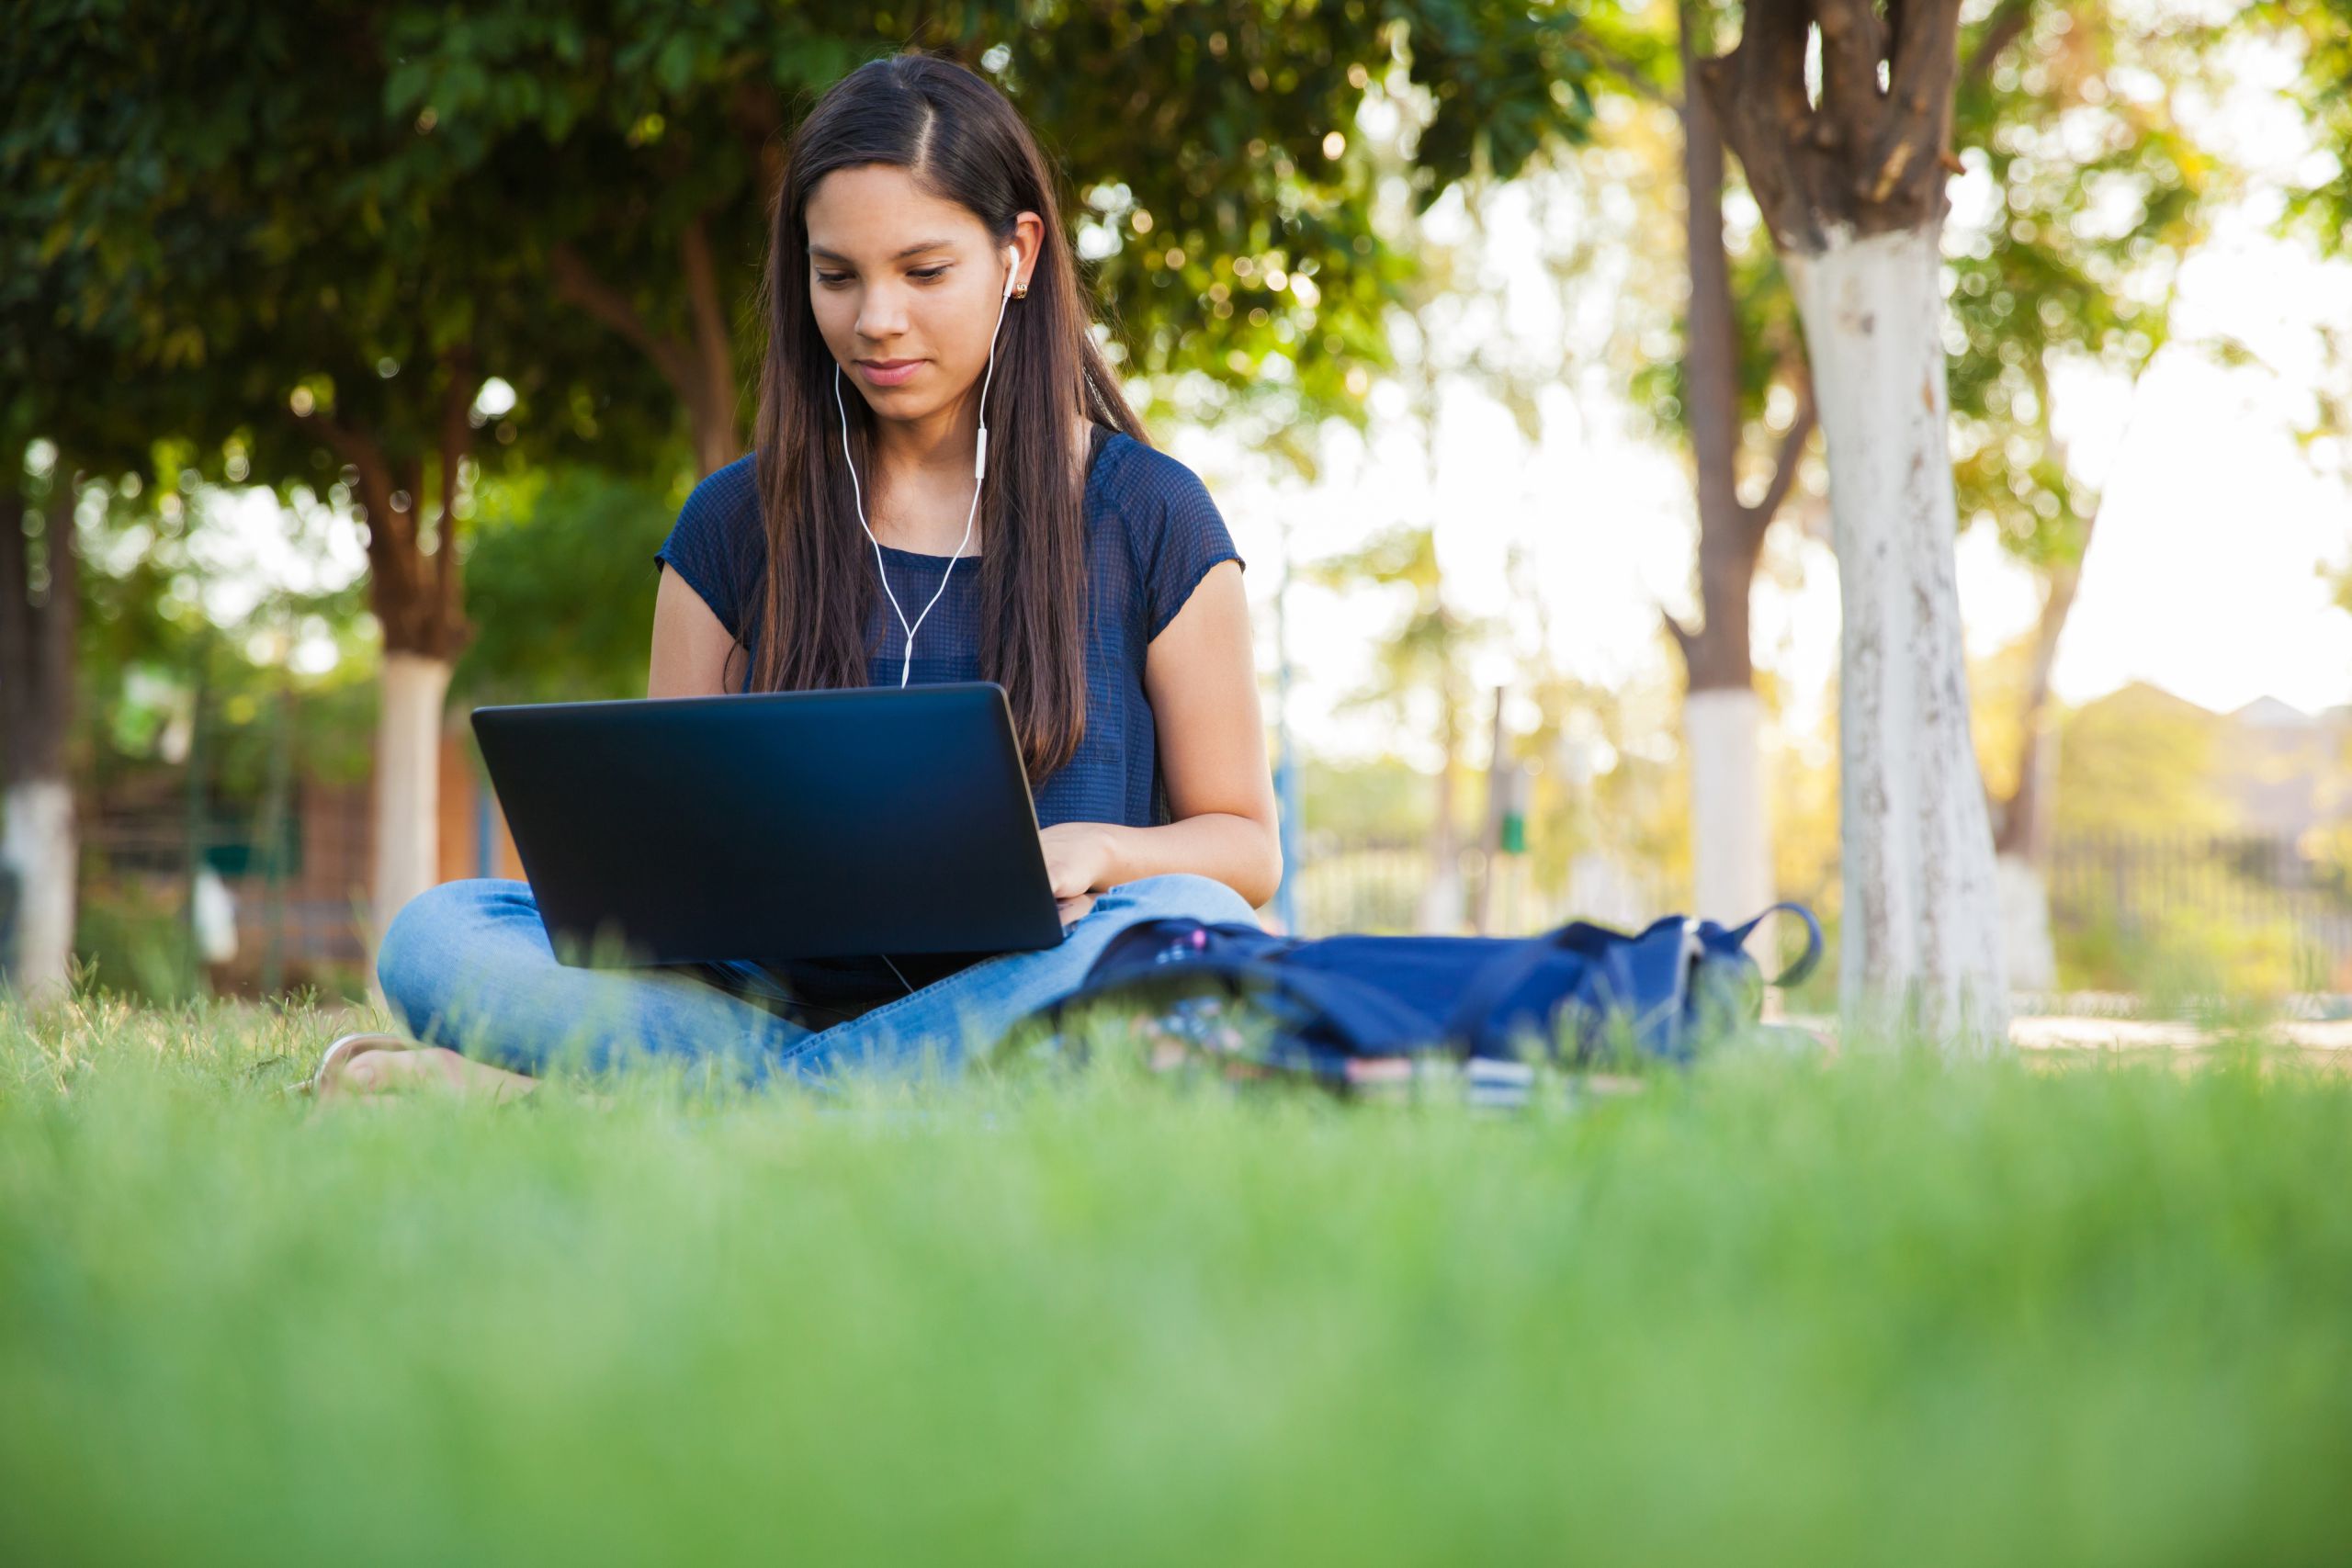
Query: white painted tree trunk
[1731, 831]
[408, 784]
[37, 844]
[1921, 930]
[2026, 945]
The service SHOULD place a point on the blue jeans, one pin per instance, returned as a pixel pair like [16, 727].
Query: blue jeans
[467, 965]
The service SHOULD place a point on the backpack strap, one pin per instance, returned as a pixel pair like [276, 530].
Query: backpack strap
[1805, 962]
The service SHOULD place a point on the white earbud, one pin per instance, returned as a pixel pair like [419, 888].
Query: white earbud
[980, 473]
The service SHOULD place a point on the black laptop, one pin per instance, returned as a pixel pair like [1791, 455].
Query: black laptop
[775, 825]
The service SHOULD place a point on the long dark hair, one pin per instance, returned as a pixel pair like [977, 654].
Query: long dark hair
[959, 140]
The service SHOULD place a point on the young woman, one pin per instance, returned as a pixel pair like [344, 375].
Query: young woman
[918, 279]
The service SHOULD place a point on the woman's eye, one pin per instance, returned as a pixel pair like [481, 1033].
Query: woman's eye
[832, 279]
[931, 274]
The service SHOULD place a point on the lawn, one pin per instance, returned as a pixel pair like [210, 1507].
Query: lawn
[1775, 1310]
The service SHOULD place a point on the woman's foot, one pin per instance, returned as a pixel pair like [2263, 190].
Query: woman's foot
[361, 1066]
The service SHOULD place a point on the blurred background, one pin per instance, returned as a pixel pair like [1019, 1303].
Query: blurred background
[1410, 284]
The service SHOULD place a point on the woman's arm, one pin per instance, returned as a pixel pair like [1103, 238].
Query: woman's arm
[1201, 680]
[693, 654]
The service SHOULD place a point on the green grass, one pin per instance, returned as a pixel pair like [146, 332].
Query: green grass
[1775, 1311]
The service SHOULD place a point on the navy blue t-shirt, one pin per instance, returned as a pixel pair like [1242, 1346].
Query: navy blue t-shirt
[1152, 533]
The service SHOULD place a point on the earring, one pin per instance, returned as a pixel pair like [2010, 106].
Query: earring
[1021, 291]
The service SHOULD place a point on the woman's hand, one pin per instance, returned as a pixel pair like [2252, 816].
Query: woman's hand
[1078, 863]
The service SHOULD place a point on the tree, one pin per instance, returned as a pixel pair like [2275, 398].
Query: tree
[1739, 358]
[72, 407]
[38, 599]
[405, 203]
[2054, 115]
[299, 269]
[1206, 144]
[1851, 184]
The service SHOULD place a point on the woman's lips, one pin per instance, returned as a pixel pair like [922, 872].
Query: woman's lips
[887, 372]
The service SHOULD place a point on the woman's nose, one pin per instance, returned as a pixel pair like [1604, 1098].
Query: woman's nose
[881, 314]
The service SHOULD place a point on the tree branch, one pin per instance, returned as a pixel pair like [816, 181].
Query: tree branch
[714, 403]
[1628, 70]
[2006, 26]
[1854, 41]
[1686, 641]
[760, 117]
[1758, 92]
[385, 526]
[349, 444]
[577, 284]
[17, 640]
[457, 437]
[1920, 88]
[1784, 465]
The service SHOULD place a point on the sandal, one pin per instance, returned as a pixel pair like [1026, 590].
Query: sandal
[339, 1054]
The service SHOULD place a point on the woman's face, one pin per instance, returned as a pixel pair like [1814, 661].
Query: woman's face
[906, 286]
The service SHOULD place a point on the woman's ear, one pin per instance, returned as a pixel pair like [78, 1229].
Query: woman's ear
[1028, 244]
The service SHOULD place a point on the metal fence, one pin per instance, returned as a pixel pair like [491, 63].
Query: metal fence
[2126, 910]
[299, 912]
[2241, 903]
[1380, 885]
[1362, 887]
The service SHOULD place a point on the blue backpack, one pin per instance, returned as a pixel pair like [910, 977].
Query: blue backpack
[1363, 1012]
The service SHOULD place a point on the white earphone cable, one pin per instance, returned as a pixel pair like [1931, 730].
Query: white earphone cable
[980, 478]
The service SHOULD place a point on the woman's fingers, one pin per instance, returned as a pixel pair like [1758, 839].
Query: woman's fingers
[1062, 874]
[1074, 908]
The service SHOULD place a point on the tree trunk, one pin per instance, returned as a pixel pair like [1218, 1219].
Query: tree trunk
[2021, 838]
[37, 848]
[1840, 111]
[418, 598]
[407, 781]
[39, 597]
[1921, 930]
[1731, 831]
[1731, 828]
[2024, 829]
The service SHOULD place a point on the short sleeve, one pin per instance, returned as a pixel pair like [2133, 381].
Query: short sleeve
[716, 543]
[1188, 538]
